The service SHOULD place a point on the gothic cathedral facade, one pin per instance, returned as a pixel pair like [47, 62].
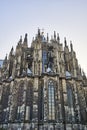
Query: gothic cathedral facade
[42, 87]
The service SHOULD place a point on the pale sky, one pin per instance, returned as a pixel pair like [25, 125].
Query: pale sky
[66, 17]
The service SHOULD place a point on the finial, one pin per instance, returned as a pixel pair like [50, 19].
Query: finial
[58, 38]
[54, 35]
[71, 45]
[65, 41]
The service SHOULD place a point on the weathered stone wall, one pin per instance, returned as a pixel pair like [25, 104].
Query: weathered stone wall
[43, 87]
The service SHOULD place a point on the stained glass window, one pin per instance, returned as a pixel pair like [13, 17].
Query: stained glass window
[70, 96]
[51, 100]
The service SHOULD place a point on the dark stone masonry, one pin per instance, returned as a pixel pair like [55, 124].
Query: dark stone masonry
[42, 87]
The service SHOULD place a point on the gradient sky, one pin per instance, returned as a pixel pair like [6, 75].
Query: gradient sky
[66, 17]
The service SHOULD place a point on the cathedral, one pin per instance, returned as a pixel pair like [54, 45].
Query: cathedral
[42, 87]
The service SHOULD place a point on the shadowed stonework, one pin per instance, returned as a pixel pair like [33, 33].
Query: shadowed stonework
[42, 87]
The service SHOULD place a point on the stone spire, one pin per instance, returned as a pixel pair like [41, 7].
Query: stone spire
[25, 41]
[58, 38]
[20, 39]
[71, 46]
[55, 35]
[38, 32]
[12, 50]
[65, 42]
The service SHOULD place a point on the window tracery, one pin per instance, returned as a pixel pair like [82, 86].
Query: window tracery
[51, 100]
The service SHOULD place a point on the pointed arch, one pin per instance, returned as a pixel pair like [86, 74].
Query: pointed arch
[70, 95]
[4, 114]
[41, 101]
[20, 101]
[29, 101]
[51, 99]
[70, 101]
[20, 93]
[5, 96]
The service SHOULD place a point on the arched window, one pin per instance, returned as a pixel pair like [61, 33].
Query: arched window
[51, 100]
[70, 99]
[29, 101]
[4, 114]
[70, 96]
[41, 102]
[5, 96]
[20, 94]
[20, 112]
